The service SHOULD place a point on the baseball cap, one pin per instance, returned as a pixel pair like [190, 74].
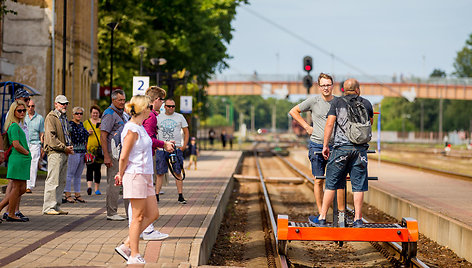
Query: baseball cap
[21, 93]
[61, 99]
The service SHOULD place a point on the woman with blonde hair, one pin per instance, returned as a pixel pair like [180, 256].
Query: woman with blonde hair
[19, 161]
[135, 173]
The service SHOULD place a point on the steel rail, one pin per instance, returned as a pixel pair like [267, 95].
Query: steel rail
[282, 259]
[395, 246]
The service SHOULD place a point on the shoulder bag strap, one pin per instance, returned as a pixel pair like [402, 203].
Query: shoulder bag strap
[122, 119]
[94, 133]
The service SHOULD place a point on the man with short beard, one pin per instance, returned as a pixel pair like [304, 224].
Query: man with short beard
[58, 146]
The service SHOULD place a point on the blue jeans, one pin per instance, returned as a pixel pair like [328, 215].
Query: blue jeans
[346, 159]
[75, 166]
[318, 163]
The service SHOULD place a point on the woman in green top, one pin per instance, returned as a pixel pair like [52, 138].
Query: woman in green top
[19, 161]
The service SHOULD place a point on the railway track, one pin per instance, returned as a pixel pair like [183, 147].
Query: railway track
[397, 254]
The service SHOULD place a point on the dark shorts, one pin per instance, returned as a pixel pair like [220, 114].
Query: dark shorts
[318, 163]
[161, 162]
[347, 159]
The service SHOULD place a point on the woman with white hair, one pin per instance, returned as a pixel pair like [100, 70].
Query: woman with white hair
[19, 160]
[76, 162]
[135, 173]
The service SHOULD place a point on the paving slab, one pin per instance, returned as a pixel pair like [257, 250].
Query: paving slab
[86, 238]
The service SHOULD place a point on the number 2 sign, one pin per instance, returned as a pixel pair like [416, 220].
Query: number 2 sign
[140, 84]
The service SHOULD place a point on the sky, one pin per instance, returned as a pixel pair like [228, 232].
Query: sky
[345, 37]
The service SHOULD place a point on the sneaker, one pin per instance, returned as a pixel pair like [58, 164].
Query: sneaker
[313, 219]
[124, 251]
[358, 224]
[154, 235]
[62, 212]
[52, 212]
[161, 192]
[115, 218]
[182, 201]
[28, 191]
[97, 192]
[21, 216]
[136, 260]
[322, 223]
[89, 191]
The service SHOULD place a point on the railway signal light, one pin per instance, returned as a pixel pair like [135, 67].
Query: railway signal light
[308, 81]
[307, 64]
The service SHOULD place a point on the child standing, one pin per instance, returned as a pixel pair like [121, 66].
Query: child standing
[193, 152]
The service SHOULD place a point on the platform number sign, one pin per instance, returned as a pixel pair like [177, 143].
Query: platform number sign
[140, 84]
[186, 104]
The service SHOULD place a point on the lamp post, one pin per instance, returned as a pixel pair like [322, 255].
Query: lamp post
[64, 46]
[112, 26]
[142, 49]
[158, 62]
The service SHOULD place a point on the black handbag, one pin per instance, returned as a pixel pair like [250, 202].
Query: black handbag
[99, 158]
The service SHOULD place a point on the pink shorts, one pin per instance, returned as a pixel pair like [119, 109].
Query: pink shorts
[137, 186]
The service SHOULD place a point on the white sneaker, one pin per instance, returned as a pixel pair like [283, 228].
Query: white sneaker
[161, 192]
[154, 235]
[115, 218]
[136, 260]
[124, 251]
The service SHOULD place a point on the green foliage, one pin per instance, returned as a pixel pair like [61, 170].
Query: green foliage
[189, 34]
[396, 111]
[4, 9]
[438, 73]
[463, 61]
[216, 120]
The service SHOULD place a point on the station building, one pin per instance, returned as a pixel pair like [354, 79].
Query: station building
[32, 50]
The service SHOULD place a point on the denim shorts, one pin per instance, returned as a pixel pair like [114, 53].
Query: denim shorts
[347, 159]
[161, 162]
[318, 163]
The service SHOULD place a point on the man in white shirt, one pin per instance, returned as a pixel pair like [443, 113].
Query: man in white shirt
[169, 125]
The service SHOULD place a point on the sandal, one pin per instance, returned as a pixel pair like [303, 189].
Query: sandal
[80, 199]
[69, 199]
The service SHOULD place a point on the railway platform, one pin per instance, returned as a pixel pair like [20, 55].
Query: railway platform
[85, 238]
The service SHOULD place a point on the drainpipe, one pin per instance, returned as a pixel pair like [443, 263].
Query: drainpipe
[53, 46]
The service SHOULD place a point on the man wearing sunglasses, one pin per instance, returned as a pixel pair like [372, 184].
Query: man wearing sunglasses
[35, 124]
[170, 124]
[57, 144]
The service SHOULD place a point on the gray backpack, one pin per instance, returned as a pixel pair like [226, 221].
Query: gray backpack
[357, 129]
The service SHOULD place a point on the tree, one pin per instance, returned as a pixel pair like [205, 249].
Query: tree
[190, 34]
[463, 61]
[438, 73]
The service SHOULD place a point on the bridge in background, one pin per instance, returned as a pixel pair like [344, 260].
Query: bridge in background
[459, 89]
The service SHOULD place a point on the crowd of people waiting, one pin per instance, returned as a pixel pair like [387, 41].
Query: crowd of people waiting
[138, 132]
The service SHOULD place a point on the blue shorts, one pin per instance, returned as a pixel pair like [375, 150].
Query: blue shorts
[347, 159]
[161, 162]
[318, 163]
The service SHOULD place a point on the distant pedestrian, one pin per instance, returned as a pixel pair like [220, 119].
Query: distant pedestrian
[347, 156]
[211, 136]
[76, 162]
[193, 149]
[94, 146]
[170, 124]
[135, 173]
[35, 123]
[224, 138]
[19, 161]
[58, 146]
[113, 121]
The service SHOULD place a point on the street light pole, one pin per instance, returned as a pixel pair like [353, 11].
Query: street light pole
[141, 51]
[112, 26]
[64, 46]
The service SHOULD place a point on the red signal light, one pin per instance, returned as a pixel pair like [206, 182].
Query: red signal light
[307, 68]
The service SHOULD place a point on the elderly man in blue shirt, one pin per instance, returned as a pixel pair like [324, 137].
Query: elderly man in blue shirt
[35, 123]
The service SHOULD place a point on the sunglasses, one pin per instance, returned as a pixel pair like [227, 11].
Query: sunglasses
[170, 106]
[79, 113]
[64, 104]
[21, 110]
